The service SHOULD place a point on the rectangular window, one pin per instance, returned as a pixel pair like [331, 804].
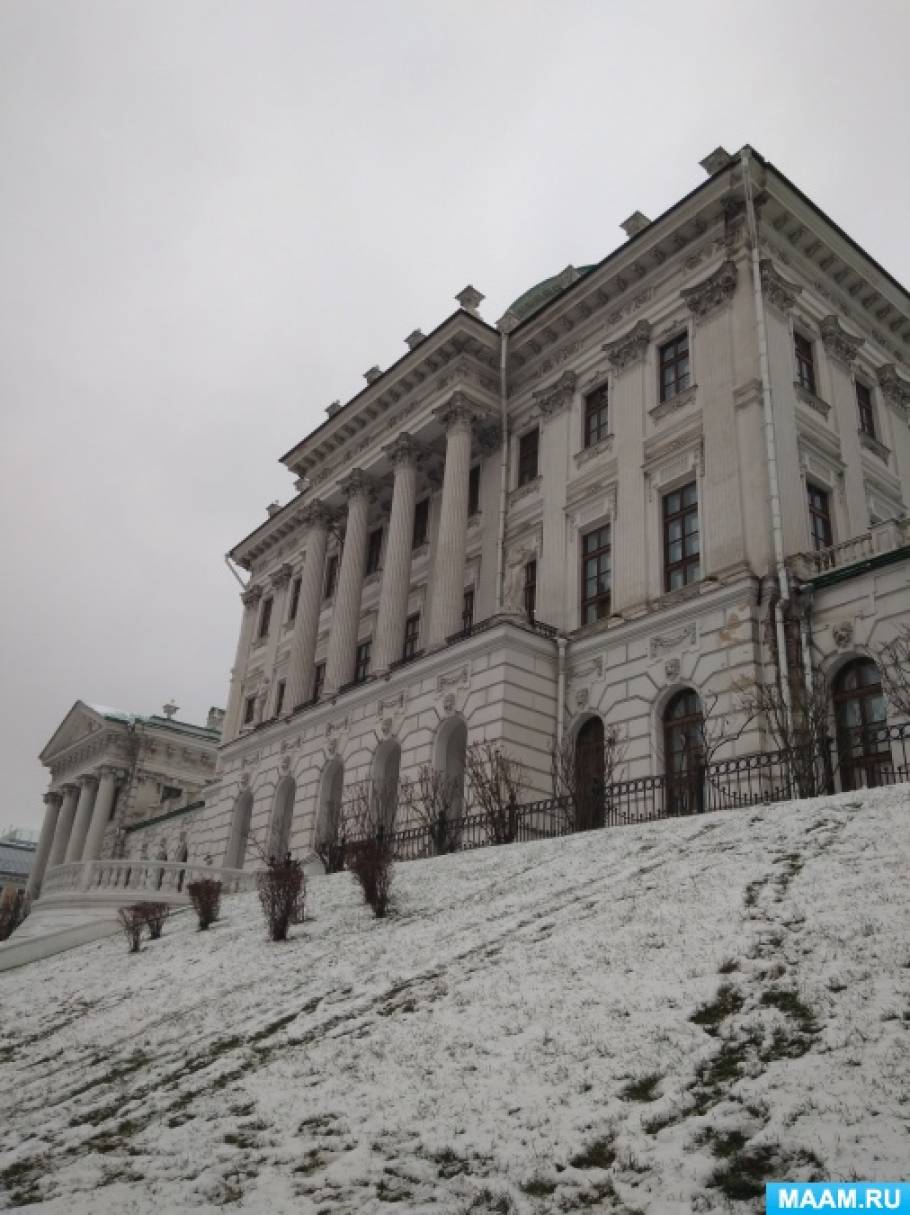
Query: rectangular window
[819, 517]
[249, 710]
[295, 598]
[596, 420]
[674, 367]
[279, 697]
[467, 609]
[318, 679]
[171, 793]
[864, 409]
[411, 635]
[362, 663]
[474, 491]
[530, 590]
[265, 617]
[596, 569]
[331, 577]
[805, 362]
[682, 555]
[421, 523]
[374, 551]
[528, 446]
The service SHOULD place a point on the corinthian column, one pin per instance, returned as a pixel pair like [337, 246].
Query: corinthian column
[104, 801]
[343, 638]
[279, 581]
[396, 577]
[89, 787]
[36, 874]
[250, 600]
[306, 625]
[448, 566]
[64, 826]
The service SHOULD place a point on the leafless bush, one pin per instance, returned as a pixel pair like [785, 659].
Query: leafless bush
[370, 861]
[332, 837]
[154, 916]
[282, 891]
[802, 728]
[582, 778]
[893, 660]
[371, 810]
[205, 895]
[495, 781]
[434, 801]
[13, 910]
[132, 921]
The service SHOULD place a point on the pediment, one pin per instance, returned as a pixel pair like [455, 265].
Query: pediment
[81, 722]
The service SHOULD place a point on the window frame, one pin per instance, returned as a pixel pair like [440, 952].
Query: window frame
[421, 530]
[805, 370]
[598, 411]
[529, 591]
[362, 659]
[280, 690]
[819, 510]
[474, 491]
[865, 410]
[265, 617]
[525, 475]
[318, 679]
[688, 562]
[330, 582]
[411, 644]
[373, 559]
[682, 380]
[601, 601]
[294, 598]
[249, 709]
[467, 608]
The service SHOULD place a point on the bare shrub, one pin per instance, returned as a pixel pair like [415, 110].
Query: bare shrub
[132, 921]
[583, 782]
[370, 861]
[14, 908]
[282, 892]
[155, 915]
[205, 895]
[332, 837]
[434, 801]
[801, 728]
[495, 781]
[371, 811]
[893, 661]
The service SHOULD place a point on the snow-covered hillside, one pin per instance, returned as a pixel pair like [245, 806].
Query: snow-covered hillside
[654, 1018]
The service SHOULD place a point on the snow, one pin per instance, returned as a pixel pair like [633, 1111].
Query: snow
[517, 1038]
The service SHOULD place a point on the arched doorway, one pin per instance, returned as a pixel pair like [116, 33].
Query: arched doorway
[449, 758]
[239, 838]
[860, 713]
[683, 760]
[328, 843]
[282, 813]
[589, 775]
[384, 791]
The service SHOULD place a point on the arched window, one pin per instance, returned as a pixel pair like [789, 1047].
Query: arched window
[282, 813]
[386, 766]
[863, 749]
[329, 844]
[589, 775]
[683, 753]
[449, 758]
[238, 840]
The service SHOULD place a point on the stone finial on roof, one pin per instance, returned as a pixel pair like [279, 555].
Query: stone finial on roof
[715, 161]
[636, 222]
[170, 709]
[215, 719]
[273, 508]
[415, 338]
[373, 374]
[333, 408]
[470, 299]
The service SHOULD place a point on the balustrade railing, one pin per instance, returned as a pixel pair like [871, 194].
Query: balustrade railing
[166, 880]
[883, 538]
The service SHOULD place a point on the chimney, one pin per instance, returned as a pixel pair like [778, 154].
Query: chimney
[215, 719]
[372, 375]
[636, 223]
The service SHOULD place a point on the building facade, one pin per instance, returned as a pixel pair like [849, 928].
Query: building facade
[657, 479]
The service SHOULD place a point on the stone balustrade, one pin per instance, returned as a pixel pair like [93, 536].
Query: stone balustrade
[145, 879]
[883, 538]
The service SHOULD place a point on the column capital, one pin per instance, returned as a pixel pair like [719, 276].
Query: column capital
[317, 514]
[109, 770]
[281, 576]
[251, 595]
[404, 450]
[458, 413]
[838, 342]
[70, 787]
[87, 778]
[629, 349]
[357, 484]
[52, 796]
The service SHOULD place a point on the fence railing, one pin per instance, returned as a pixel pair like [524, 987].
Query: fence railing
[867, 757]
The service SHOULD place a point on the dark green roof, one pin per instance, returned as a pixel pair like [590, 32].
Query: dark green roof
[541, 292]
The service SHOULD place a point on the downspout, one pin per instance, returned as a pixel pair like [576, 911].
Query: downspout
[231, 567]
[562, 643]
[504, 466]
[777, 535]
[805, 642]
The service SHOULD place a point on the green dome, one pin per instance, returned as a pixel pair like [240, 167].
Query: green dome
[545, 290]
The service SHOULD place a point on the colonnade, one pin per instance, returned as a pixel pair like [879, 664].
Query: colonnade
[75, 819]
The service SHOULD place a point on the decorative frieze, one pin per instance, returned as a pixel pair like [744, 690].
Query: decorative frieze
[631, 348]
[713, 293]
[555, 396]
[673, 641]
[776, 289]
[838, 343]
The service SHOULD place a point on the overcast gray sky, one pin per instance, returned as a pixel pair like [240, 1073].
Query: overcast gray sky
[215, 215]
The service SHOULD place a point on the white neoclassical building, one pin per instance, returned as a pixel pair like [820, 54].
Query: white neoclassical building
[685, 466]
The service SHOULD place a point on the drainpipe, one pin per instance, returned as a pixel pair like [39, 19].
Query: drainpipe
[504, 466]
[561, 643]
[777, 536]
[231, 567]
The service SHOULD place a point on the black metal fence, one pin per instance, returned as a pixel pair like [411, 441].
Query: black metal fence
[868, 757]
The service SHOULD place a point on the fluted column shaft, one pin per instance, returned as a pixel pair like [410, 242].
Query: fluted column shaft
[64, 826]
[306, 625]
[104, 800]
[250, 599]
[36, 874]
[396, 576]
[343, 638]
[83, 818]
[448, 567]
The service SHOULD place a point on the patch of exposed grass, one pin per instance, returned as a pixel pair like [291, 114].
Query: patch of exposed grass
[642, 1089]
[726, 1002]
[728, 966]
[790, 1004]
[746, 1169]
[600, 1154]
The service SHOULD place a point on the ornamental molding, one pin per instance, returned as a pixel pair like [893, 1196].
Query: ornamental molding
[317, 514]
[713, 293]
[596, 449]
[680, 401]
[872, 444]
[358, 484]
[404, 451]
[895, 389]
[487, 436]
[810, 399]
[776, 289]
[525, 491]
[688, 635]
[838, 343]
[584, 670]
[281, 576]
[251, 596]
[52, 797]
[453, 679]
[631, 348]
[551, 399]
